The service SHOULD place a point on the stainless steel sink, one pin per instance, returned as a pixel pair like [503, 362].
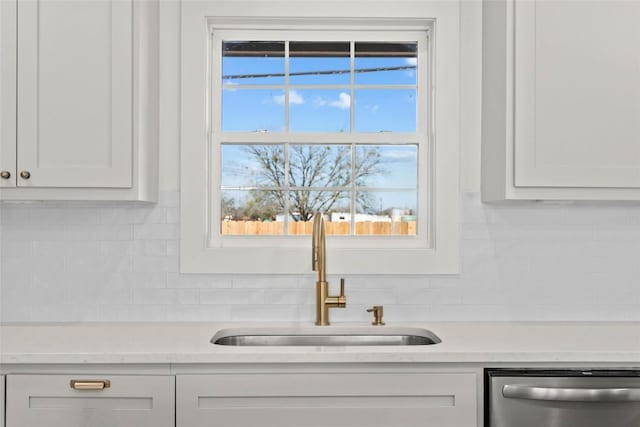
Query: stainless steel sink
[321, 336]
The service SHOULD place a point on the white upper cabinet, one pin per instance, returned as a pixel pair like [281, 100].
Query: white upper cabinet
[74, 91]
[561, 99]
[8, 57]
[86, 100]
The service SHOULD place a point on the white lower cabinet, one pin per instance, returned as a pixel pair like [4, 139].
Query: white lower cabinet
[327, 399]
[1, 401]
[113, 401]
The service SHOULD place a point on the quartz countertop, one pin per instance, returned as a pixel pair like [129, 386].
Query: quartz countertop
[188, 343]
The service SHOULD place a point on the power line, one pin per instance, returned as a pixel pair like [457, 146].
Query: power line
[317, 73]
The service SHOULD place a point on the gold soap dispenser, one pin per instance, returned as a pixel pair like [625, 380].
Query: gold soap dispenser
[378, 313]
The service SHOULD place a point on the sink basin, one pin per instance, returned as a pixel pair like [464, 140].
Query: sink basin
[323, 336]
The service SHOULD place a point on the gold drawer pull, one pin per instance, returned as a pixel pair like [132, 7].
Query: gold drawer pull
[90, 384]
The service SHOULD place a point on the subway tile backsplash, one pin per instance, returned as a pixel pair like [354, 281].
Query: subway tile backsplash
[118, 262]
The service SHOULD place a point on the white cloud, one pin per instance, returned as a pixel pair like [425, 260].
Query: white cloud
[400, 155]
[294, 98]
[343, 102]
[412, 62]
[319, 102]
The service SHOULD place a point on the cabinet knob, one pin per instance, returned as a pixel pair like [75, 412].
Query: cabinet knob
[5, 174]
[25, 174]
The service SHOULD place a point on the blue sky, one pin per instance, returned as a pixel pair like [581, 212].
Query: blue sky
[318, 110]
[323, 110]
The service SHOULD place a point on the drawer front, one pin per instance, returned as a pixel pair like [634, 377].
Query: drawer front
[128, 401]
[321, 400]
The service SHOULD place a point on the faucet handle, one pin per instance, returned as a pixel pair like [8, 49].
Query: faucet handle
[341, 300]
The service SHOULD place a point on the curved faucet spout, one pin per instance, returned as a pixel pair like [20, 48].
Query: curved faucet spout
[319, 247]
[324, 301]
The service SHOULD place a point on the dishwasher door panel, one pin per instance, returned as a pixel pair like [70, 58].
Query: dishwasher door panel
[529, 401]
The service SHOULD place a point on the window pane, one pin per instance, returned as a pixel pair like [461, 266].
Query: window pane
[380, 110]
[252, 212]
[248, 110]
[252, 165]
[386, 213]
[385, 63]
[249, 62]
[314, 63]
[319, 165]
[275, 189]
[304, 204]
[319, 110]
[387, 166]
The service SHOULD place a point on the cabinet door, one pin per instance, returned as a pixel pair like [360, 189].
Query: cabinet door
[8, 92]
[577, 93]
[75, 93]
[1, 401]
[321, 400]
[130, 401]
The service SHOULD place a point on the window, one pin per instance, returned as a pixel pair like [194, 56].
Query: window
[354, 102]
[332, 115]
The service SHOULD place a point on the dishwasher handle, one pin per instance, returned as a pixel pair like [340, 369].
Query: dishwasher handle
[563, 394]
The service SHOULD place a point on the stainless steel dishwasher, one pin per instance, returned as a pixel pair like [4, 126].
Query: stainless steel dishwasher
[562, 398]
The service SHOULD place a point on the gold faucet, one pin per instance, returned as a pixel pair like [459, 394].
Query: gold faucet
[319, 263]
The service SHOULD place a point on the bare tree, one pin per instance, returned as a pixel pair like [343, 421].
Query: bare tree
[320, 176]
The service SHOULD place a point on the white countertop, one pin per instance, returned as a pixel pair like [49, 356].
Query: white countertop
[182, 343]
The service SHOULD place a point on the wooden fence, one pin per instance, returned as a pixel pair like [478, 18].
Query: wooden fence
[364, 228]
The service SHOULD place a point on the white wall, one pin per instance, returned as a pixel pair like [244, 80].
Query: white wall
[70, 262]
[521, 261]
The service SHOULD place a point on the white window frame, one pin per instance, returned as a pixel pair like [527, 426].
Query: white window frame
[204, 250]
